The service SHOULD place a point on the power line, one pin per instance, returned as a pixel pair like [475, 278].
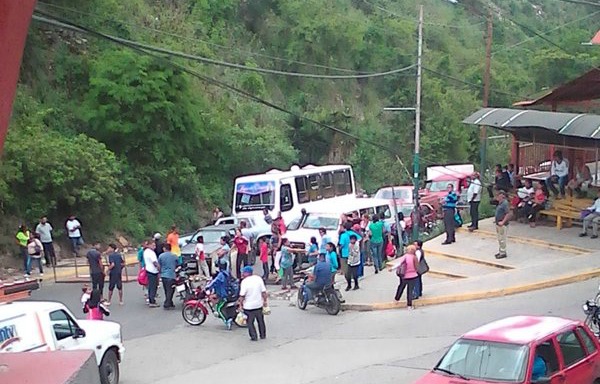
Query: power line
[207, 60]
[210, 80]
[187, 38]
[546, 32]
[582, 2]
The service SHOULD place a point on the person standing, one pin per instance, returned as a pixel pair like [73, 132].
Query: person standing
[332, 260]
[167, 263]
[201, 257]
[324, 240]
[251, 249]
[253, 298]
[502, 218]
[44, 230]
[353, 262]
[115, 267]
[151, 265]
[449, 209]
[240, 242]
[22, 238]
[474, 198]
[173, 240]
[263, 250]
[420, 253]
[406, 269]
[223, 254]
[376, 231]
[287, 264]
[559, 174]
[35, 250]
[275, 247]
[158, 243]
[593, 218]
[74, 232]
[94, 258]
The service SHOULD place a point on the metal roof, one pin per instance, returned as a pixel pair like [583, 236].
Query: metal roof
[584, 88]
[569, 129]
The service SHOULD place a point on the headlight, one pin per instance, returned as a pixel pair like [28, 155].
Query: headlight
[586, 309]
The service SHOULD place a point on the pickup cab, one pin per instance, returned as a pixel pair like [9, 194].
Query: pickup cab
[36, 326]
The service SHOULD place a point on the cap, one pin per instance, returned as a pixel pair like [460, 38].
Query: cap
[157, 236]
[247, 270]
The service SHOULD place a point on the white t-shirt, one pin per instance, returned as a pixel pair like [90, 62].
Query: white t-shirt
[252, 288]
[72, 224]
[199, 250]
[45, 232]
[149, 260]
[560, 169]
[474, 188]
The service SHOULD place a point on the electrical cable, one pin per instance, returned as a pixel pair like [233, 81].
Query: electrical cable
[182, 37]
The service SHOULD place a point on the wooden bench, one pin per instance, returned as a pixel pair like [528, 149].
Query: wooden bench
[566, 211]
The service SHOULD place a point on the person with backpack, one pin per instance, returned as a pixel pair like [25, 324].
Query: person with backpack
[224, 289]
[35, 251]
[406, 270]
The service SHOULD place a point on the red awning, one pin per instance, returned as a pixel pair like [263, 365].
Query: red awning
[581, 89]
[596, 39]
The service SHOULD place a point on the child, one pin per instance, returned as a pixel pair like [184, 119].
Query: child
[263, 248]
[94, 307]
[202, 264]
[353, 262]
[85, 296]
[390, 249]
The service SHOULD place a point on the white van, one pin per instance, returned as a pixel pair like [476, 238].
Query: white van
[36, 326]
[327, 216]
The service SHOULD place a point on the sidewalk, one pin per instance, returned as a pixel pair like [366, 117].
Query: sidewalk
[538, 258]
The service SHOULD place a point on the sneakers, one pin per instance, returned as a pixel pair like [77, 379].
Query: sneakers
[348, 288]
[153, 305]
[355, 287]
[594, 237]
[582, 234]
[229, 324]
[500, 255]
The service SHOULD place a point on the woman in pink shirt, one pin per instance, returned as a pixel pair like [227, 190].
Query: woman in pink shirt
[410, 275]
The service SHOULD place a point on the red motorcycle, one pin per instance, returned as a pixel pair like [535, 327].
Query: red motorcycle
[195, 309]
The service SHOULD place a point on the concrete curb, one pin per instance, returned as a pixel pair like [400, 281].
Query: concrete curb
[468, 259]
[536, 242]
[567, 279]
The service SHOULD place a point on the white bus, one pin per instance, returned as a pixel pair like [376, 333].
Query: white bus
[290, 191]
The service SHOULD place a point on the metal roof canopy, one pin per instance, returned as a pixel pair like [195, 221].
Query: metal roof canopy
[584, 88]
[568, 129]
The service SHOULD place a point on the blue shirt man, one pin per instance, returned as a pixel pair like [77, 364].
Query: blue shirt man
[451, 200]
[322, 277]
[167, 262]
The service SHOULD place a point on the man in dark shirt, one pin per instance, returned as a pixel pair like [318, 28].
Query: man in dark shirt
[320, 277]
[115, 266]
[502, 218]
[96, 268]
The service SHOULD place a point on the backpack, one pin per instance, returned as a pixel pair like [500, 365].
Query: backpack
[37, 248]
[232, 288]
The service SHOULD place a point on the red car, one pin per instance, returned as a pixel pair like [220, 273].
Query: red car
[521, 349]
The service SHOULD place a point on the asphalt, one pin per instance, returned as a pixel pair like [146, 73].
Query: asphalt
[538, 258]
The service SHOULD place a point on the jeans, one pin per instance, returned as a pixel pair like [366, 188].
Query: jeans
[376, 252]
[474, 212]
[265, 268]
[288, 276]
[361, 266]
[562, 182]
[98, 281]
[311, 288]
[409, 293]
[256, 314]
[593, 219]
[169, 291]
[49, 253]
[38, 261]
[418, 291]
[241, 258]
[501, 232]
[75, 243]
[352, 274]
[152, 287]
[449, 225]
[26, 260]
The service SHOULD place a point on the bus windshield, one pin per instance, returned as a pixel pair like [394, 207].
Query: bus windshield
[253, 196]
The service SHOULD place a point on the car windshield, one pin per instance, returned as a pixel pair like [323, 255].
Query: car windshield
[440, 186]
[253, 196]
[320, 221]
[485, 360]
[403, 194]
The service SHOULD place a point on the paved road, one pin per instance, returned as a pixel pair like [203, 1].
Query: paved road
[396, 346]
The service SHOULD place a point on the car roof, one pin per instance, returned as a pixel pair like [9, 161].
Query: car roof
[24, 306]
[520, 329]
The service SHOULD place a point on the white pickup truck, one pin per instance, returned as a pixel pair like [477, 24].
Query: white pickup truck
[32, 326]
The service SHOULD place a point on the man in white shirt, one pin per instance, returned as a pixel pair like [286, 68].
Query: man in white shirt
[44, 230]
[592, 218]
[151, 265]
[474, 198]
[253, 298]
[74, 232]
[559, 173]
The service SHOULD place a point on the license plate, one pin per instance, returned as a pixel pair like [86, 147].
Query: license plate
[180, 288]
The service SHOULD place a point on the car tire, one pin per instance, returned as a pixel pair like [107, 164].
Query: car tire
[109, 368]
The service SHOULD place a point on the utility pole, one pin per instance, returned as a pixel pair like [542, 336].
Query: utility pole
[416, 214]
[486, 87]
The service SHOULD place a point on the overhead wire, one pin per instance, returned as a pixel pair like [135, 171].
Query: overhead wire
[207, 60]
[82, 29]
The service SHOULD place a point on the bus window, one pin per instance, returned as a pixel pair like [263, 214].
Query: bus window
[327, 185]
[314, 183]
[285, 199]
[383, 211]
[368, 211]
[302, 189]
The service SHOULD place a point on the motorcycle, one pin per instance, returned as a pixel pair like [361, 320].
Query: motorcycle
[327, 298]
[195, 309]
[591, 308]
[183, 284]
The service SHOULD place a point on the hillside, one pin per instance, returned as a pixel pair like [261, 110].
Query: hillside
[131, 143]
